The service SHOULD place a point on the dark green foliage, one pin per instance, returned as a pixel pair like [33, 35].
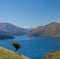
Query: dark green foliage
[16, 45]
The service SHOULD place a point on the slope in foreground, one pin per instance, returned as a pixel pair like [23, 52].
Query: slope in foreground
[8, 54]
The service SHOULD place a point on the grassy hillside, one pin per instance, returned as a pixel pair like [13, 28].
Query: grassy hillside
[53, 55]
[8, 54]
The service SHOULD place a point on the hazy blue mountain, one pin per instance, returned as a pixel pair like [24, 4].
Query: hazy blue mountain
[50, 30]
[28, 29]
[10, 29]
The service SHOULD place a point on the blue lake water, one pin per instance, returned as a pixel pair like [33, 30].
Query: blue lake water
[33, 47]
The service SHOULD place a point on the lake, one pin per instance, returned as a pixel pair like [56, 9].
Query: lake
[33, 47]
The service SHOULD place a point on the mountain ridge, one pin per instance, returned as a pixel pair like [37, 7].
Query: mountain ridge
[50, 30]
[10, 29]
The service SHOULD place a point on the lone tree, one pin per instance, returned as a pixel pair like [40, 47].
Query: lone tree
[16, 45]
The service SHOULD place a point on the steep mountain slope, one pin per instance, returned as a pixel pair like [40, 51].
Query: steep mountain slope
[8, 54]
[10, 29]
[35, 32]
[50, 30]
[53, 55]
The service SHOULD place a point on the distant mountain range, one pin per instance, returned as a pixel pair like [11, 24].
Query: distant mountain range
[10, 29]
[49, 30]
[28, 29]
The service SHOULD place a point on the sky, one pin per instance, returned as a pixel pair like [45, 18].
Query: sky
[29, 13]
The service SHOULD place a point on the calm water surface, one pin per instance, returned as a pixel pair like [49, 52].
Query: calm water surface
[33, 47]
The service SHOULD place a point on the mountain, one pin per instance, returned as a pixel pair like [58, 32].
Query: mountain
[10, 29]
[35, 32]
[28, 30]
[8, 54]
[49, 30]
[6, 37]
[53, 55]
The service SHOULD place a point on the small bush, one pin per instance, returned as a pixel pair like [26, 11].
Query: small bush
[16, 45]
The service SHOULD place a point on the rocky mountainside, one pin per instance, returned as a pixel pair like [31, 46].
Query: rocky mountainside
[35, 32]
[50, 30]
[10, 29]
